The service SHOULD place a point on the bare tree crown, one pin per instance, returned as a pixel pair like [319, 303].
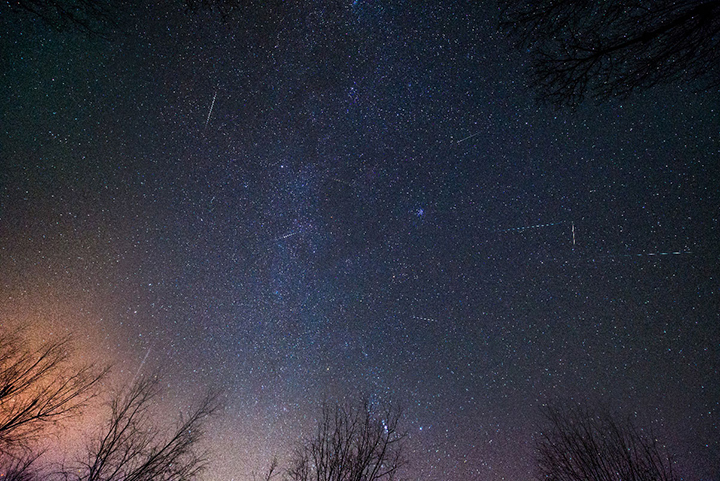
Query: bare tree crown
[39, 388]
[610, 48]
[352, 443]
[580, 445]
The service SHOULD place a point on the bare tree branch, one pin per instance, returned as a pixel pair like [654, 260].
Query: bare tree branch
[98, 17]
[131, 447]
[38, 389]
[580, 445]
[271, 472]
[88, 16]
[611, 48]
[360, 443]
[19, 468]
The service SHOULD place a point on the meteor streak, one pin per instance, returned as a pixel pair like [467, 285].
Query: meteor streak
[649, 254]
[285, 236]
[141, 365]
[536, 226]
[469, 137]
[212, 105]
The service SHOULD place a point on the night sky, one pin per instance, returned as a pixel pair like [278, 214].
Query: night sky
[336, 200]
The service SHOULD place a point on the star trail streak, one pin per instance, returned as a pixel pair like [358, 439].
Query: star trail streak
[536, 226]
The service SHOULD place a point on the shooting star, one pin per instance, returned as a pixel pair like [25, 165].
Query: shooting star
[573, 232]
[341, 181]
[285, 236]
[469, 137]
[536, 226]
[141, 365]
[617, 256]
[650, 254]
[212, 106]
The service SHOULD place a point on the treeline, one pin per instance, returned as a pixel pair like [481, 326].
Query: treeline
[43, 388]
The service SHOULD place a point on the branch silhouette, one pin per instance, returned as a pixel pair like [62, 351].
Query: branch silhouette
[610, 48]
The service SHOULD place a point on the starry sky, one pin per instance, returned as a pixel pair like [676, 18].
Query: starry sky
[335, 200]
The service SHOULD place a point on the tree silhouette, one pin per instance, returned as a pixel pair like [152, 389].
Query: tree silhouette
[358, 443]
[272, 472]
[96, 17]
[579, 445]
[39, 389]
[19, 468]
[609, 48]
[132, 447]
[88, 16]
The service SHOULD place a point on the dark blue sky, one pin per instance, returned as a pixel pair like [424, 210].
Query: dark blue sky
[375, 207]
